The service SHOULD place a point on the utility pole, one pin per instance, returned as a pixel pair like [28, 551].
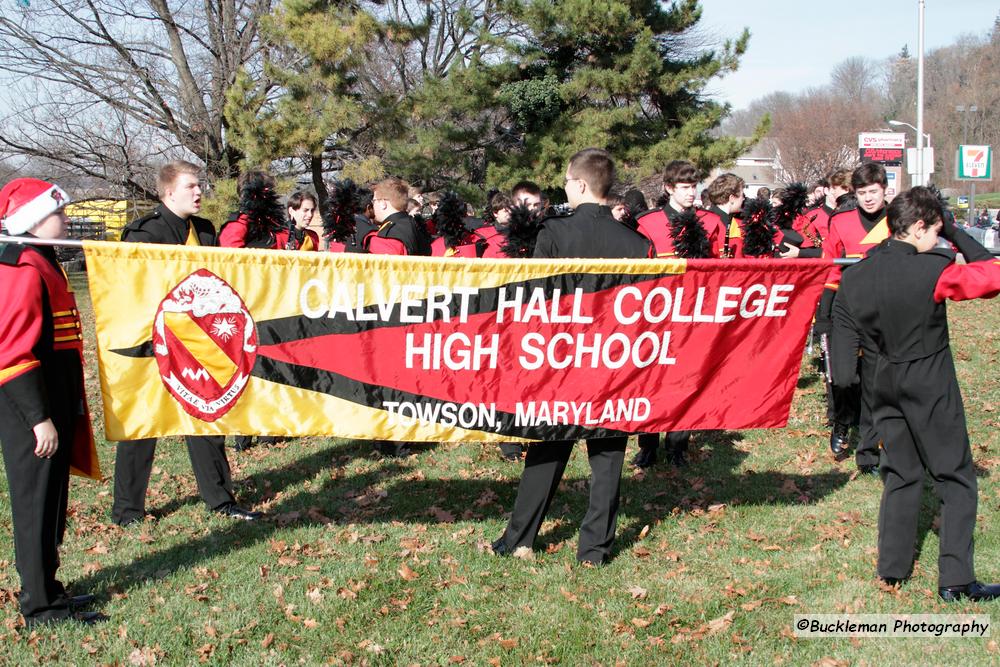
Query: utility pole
[921, 174]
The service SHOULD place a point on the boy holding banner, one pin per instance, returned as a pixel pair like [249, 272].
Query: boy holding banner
[174, 222]
[591, 231]
[44, 422]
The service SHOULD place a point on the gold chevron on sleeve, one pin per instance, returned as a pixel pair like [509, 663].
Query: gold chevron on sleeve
[879, 233]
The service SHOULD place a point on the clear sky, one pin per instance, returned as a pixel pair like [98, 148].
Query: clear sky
[794, 44]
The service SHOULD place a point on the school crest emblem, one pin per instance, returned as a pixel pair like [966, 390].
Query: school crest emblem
[205, 344]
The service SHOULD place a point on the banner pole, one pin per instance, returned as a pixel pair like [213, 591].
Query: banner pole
[31, 240]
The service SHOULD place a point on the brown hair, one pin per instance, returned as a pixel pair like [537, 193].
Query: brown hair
[680, 171]
[527, 187]
[596, 168]
[500, 201]
[842, 179]
[296, 198]
[724, 186]
[169, 172]
[870, 173]
[395, 190]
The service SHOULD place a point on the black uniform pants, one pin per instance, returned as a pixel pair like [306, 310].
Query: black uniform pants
[134, 463]
[867, 452]
[852, 406]
[544, 466]
[918, 410]
[677, 441]
[38, 495]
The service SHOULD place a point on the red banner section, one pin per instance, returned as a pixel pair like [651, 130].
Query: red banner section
[716, 345]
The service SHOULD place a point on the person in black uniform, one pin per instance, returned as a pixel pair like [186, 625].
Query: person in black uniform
[894, 302]
[591, 231]
[174, 222]
[398, 234]
[44, 423]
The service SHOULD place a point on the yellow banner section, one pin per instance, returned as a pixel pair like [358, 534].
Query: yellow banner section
[190, 340]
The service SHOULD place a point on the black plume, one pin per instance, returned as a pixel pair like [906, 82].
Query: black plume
[793, 201]
[339, 209]
[758, 228]
[521, 233]
[688, 234]
[449, 220]
[260, 204]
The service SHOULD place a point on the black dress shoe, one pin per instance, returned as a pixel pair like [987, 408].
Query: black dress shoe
[78, 602]
[242, 442]
[235, 511]
[840, 438]
[974, 591]
[869, 470]
[131, 521]
[646, 457]
[678, 458]
[511, 451]
[89, 617]
[891, 581]
[500, 548]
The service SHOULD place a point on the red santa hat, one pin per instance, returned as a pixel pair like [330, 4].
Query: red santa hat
[25, 202]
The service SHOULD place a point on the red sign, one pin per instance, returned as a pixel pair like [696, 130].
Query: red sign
[882, 155]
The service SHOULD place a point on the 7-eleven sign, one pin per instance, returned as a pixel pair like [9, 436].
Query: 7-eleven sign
[974, 163]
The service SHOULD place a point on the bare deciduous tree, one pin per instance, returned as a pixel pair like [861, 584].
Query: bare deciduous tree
[110, 87]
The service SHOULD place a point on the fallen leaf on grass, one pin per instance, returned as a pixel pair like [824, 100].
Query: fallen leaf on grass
[637, 592]
[267, 641]
[641, 622]
[992, 647]
[91, 567]
[830, 662]
[405, 572]
[524, 553]
[644, 532]
[205, 652]
[721, 623]
[442, 516]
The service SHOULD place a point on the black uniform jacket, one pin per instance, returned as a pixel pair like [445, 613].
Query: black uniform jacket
[161, 225]
[591, 231]
[891, 302]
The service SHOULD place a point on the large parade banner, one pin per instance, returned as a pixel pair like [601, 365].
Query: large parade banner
[220, 341]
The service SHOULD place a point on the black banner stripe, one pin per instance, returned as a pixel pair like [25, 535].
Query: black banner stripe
[373, 396]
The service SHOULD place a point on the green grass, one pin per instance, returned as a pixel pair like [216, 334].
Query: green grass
[368, 561]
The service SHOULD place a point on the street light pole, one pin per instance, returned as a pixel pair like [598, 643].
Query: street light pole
[921, 175]
[914, 177]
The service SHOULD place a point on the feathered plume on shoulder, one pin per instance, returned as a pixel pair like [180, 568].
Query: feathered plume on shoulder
[846, 202]
[758, 228]
[521, 233]
[793, 202]
[260, 204]
[688, 234]
[449, 220]
[946, 212]
[936, 191]
[338, 210]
